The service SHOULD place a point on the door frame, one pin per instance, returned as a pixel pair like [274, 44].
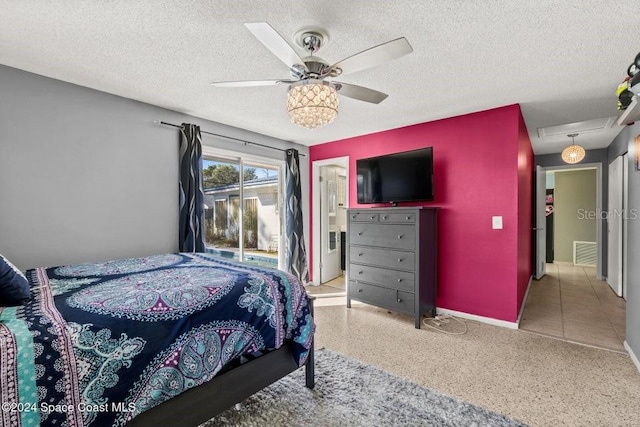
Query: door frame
[599, 207]
[315, 208]
[540, 227]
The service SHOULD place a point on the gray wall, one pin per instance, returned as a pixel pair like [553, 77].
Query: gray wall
[574, 195]
[622, 144]
[619, 146]
[592, 156]
[86, 176]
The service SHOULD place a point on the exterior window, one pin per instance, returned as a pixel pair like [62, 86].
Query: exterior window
[234, 224]
[250, 229]
[222, 176]
[220, 222]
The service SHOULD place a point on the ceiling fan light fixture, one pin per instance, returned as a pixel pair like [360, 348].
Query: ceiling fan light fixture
[573, 153]
[312, 103]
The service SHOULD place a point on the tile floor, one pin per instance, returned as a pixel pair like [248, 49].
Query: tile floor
[569, 303]
[332, 288]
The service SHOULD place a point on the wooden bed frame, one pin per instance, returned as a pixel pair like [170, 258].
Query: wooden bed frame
[199, 404]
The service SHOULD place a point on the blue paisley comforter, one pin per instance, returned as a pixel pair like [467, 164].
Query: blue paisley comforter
[100, 343]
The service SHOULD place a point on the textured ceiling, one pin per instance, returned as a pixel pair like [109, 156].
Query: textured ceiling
[561, 60]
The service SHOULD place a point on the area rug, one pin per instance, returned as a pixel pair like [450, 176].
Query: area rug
[351, 393]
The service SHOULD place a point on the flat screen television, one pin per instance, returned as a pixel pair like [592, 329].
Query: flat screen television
[398, 177]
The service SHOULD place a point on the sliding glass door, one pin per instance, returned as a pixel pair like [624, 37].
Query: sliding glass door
[243, 217]
[221, 184]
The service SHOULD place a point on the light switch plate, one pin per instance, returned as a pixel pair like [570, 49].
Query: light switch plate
[496, 222]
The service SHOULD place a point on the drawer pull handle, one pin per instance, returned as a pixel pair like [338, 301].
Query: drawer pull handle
[359, 290]
[371, 217]
[385, 217]
[399, 300]
[399, 280]
[359, 233]
[360, 254]
[360, 272]
[408, 218]
[399, 259]
[399, 236]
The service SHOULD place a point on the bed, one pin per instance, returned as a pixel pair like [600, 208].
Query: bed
[169, 339]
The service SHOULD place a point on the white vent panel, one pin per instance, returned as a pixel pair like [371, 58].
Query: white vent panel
[584, 253]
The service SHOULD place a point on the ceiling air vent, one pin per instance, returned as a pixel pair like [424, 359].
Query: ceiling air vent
[578, 127]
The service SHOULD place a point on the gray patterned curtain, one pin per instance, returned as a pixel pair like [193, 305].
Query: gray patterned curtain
[296, 255]
[191, 219]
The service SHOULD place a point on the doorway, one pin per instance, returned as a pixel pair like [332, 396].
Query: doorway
[330, 202]
[569, 217]
[571, 301]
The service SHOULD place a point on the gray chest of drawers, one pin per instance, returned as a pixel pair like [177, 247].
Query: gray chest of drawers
[391, 259]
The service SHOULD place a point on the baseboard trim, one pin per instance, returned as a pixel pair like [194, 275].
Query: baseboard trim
[488, 320]
[632, 355]
[524, 301]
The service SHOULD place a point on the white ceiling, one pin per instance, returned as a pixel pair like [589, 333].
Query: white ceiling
[560, 60]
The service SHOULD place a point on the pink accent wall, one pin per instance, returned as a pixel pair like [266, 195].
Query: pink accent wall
[525, 210]
[480, 164]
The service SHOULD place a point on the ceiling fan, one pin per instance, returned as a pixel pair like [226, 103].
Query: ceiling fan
[313, 95]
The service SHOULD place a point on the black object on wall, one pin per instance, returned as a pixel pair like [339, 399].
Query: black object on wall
[549, 226]
[398, 177]
[549, 257]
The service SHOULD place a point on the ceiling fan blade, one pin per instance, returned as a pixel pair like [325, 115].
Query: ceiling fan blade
[374, 56]
[248, 83]
[275, 43]
[361, 93]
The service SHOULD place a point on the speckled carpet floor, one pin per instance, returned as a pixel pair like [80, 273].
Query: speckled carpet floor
[350, 393]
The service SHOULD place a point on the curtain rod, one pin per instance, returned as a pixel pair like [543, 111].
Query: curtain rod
[160, 122]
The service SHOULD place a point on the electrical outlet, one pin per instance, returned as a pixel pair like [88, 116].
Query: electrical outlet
[496, 222]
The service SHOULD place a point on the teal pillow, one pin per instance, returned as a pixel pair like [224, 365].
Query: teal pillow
[14, 286]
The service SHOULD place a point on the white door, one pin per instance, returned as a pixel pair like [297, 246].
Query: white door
[329, 229]
[541, 222]
[614, 226]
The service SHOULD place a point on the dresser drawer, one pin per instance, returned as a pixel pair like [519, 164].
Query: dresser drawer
[363, 216]
[383, 276]
[397, 217]
[383, 257]
[383, 297]
[391, 236]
